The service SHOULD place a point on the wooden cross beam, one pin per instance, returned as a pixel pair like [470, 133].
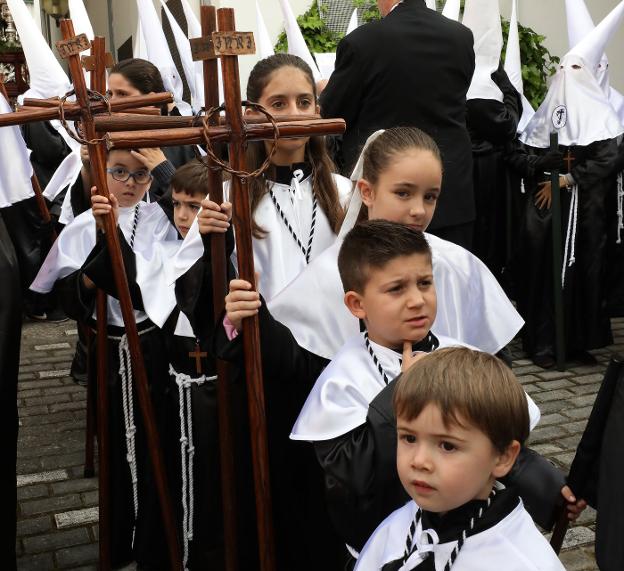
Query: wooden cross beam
[70, 47]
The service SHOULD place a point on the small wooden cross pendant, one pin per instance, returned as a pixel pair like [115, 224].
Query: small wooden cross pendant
[569, 159]
[197, 355]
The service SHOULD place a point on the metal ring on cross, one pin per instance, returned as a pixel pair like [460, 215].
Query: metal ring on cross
[225, 166]
[93, 96]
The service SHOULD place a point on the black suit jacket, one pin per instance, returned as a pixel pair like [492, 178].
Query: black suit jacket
[413, 68]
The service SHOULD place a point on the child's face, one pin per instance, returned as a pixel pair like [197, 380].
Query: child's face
[407, 191]
[130, 192]
[399, 301]
[289, 92]
[185, 209]
[443, 467]
[119, 86]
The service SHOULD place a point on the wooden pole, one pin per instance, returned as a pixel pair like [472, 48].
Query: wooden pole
[251, 334]
[557, 259]
[219, 290]
[97, 157]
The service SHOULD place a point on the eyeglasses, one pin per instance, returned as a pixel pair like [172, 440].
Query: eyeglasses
[122, 175]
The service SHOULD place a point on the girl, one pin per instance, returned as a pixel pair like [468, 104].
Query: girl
[297, 206]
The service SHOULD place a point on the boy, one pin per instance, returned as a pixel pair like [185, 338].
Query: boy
[461, 420]
[387, 276]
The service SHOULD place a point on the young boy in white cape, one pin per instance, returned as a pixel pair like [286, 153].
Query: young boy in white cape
[461, 421]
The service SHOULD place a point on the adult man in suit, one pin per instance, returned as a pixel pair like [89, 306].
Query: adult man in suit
[412, 67]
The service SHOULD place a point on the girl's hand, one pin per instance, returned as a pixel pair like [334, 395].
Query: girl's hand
[574, 507]
[101, 207]
[408, 358]
[149, 158]
[214, 218]
[241, 302]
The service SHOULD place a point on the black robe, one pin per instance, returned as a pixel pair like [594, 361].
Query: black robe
[10, 336]
[615, 250]
[492, 125]
[150, 546]
[587, 324]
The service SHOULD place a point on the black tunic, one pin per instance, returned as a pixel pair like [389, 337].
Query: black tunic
[492, 124]
[615, 250]
[10, 336]
[586, 321]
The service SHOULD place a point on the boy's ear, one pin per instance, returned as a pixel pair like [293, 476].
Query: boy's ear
[506, 460]
[366, 191]
[353, 301]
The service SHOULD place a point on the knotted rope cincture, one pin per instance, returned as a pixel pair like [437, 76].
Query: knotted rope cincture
[242, 175]
[76, 135]
[187, 452]
[620, 210]
[570, 241]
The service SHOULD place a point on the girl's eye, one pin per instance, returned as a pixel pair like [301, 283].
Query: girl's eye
[278, 104]
[447, 446]
[431, 197]
[409, 438]
[402, 193]
[305, 103]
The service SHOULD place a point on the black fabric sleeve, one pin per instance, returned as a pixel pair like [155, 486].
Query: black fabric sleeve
[98, 268]
[77, 301]
[599, 166]
[520, 160]
[619, 161]
[163, 173]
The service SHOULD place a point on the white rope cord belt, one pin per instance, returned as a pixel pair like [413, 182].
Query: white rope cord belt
[570, 241]
[187, 452]
[125, 372]
[620, 210]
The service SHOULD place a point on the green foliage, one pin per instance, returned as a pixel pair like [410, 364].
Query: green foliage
[538, 64]
[318, 36]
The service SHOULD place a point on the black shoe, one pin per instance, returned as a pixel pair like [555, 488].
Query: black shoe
[583, 357]
[544, 360]
[56, 315]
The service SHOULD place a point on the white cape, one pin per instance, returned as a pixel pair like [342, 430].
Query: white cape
[472, 307]
[77, 240]
[339, 400]
[513, 544]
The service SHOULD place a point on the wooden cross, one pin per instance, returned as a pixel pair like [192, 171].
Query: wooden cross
[569, 159]
[71, 47]
[227, 44]
[197, 355]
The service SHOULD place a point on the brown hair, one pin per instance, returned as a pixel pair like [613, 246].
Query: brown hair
[323, 184]
[191, 178]
[474, 385]
[142, 74]
[372, 244]
[391, 142]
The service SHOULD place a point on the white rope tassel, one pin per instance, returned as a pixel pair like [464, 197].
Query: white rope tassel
[570, 241]
[522, 189]
[620, 209]
[125, 372]
[187, 452]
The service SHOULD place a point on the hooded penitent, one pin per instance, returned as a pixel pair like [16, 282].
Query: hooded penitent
[483, 18]
[580, 24]
[451, 9]
[575, 105]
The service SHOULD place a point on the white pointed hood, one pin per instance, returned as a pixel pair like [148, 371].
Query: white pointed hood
[580, 25]
[513, 66]
[296, 43]
[431, 4]
[451, 9]
[353, 22]
[15, 167]
[575, 105]
[158, 52]
[265, 47]
[139, 49]
[82, 25]
[483, 18]
[47, 78]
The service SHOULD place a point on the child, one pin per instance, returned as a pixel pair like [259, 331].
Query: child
[461, 420]
[388, 281]
[297, 207]
[76, 262]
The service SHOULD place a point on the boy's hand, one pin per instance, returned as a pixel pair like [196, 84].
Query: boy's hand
[214, 218]
[84, 155]
[101, 207]
[149, 158]
[408, 358]
[241, 302]
[574, 507]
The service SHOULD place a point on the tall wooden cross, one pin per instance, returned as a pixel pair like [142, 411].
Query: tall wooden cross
[227, 44]
[84, 110]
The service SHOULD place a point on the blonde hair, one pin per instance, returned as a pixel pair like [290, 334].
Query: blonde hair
[469, 384]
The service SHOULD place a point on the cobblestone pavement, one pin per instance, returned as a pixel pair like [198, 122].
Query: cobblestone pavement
[57, 506]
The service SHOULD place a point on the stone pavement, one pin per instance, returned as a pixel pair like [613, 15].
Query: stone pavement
[57, 507]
